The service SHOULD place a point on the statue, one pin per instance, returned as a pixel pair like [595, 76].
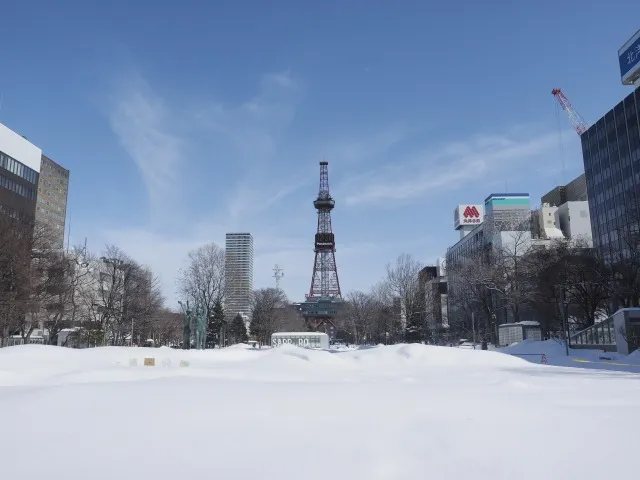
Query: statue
[186, 325]
[200, 327]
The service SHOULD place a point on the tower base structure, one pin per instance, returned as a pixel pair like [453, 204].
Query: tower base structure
[320, 312]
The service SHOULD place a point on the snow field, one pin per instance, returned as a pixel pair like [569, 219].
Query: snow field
[396, 412]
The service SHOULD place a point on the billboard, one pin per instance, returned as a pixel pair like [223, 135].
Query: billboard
[468, 215]
[629, 59]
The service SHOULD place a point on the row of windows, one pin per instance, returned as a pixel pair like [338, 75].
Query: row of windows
[17, 168]
[21, 190]
[612, 167]
[51, 213]
[48, 165]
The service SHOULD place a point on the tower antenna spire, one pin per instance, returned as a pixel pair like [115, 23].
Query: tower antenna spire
[324, 297]
[278, 273]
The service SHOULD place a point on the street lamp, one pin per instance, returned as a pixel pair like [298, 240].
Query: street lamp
[565, 317]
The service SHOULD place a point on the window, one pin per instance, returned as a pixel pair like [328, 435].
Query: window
[17, 168]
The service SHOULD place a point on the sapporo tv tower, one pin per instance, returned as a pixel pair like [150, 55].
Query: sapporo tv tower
[324, 299]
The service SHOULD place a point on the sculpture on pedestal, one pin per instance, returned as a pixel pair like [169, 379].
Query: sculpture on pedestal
[200, 327]
[186, 325]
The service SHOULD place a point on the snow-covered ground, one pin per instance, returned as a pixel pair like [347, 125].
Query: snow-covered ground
[556, 354]
[396, 412]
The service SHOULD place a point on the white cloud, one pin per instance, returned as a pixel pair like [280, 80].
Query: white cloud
[362, 149]
[452, 166]
[254, 134]
[253, 127]
[140, 119]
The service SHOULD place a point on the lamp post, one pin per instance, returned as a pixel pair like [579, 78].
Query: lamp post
[565, 317]
[473, 328]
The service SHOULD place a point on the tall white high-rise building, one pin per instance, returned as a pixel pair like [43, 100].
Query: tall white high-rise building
[238, 271]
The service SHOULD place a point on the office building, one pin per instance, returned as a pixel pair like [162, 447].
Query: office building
[32, 186]
[506, 226]
[19, 171]
[574, 191]
[238, 271]
[433, 289]
[51, 204]
[564, 213]
[611, 153]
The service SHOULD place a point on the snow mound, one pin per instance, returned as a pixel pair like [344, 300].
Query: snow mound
[383, 412]
[419, 355]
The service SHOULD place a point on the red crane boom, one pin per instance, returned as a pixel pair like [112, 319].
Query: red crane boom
[578, 123]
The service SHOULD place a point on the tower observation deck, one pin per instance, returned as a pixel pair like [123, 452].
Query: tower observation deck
[325, 298]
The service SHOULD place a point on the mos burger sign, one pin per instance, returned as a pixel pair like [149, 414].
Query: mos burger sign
[465, 215]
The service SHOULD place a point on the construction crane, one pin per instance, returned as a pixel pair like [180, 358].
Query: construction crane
[578, 123]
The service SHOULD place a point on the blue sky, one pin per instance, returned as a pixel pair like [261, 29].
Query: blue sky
[182, 121]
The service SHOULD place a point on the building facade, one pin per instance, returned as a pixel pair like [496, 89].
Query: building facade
[611, 153]
[574, 191]
[506, 227]
[564, 213]
[19, 173]
[51, 204]
[31, 184]
[238, 271]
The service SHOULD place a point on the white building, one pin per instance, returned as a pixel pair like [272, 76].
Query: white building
[574, 220]
[571, 220]
[238, 271]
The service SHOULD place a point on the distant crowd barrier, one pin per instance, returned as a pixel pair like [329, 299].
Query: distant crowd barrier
[543, 357]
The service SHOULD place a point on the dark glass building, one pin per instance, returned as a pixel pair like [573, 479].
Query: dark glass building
[611, 152]
[18, 188]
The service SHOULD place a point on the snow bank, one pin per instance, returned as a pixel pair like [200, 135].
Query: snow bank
[555, 354]
[428, 356]
[397, 412]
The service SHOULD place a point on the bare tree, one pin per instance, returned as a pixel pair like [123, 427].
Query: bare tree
[202, 281]
[143, 302]
[513, 280]
[403, 282]
[166, 328]
[267, 305]
[550, 274]
[16, 239]
[60, 303]
[625, 262]
[588, 285]
[570, 280]
[121, 299]
[474, 286]
[386, 323]
[31, 275]
[360, 312]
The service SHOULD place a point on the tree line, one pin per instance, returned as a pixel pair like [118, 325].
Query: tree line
[566, 285]
[104, 298]
[108, 298]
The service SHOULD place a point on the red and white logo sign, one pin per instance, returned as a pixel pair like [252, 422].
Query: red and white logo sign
[468, 215]
[471, 212]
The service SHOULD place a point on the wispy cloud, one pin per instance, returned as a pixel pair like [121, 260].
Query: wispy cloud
[253, 127]
[451, 166]
[140, 119]
[250, 133]
[366, 148]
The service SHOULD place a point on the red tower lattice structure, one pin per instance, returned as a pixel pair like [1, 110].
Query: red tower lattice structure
[324, 281]
[578, 123]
